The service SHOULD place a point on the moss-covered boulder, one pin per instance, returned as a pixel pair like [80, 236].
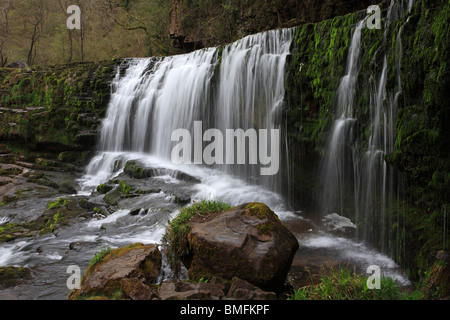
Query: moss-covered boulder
[124, 273]
[248, 242]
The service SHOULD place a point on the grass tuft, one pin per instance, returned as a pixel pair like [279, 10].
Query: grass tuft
[343, 284]
[100, 256]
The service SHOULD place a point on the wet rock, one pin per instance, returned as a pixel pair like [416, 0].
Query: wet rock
[104, 188]
[248, 242]
[339, 225]
[138, 170]
[182, 198]
[308, 267]
[57, 214]
[185, 290]
[113, 197]
[121, 270]
[67, 188]
[12, 276]
[134, 289]
[86, 139]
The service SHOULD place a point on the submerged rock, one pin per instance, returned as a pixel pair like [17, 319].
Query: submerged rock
[248, 242]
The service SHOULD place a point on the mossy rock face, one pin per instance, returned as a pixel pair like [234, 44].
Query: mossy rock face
[437, 284]
[124, 273]
[248, 242]
[55, 108]
[12, 276]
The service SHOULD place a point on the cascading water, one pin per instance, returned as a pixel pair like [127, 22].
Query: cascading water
[244, 90]
[363, 185]
[337, 162]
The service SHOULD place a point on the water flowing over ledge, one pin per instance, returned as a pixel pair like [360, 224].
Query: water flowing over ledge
[241, 85]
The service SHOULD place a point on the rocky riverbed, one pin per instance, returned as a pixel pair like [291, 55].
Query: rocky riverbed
[54, 215]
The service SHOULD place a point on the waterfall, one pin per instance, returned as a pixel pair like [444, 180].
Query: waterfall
[335, 170]
[355, 178]
[238, 86]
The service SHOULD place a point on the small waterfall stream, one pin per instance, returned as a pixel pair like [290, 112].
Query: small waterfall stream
[352, 170]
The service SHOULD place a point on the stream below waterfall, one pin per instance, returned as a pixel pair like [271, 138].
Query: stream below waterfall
[49, 256]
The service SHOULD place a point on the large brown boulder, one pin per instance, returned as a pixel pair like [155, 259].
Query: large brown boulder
[248, 242]
[124, 273]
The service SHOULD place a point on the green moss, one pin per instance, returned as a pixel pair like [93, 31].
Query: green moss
[11, 276]
[124, 188]
[317, 64]
[56, 94]
[57, 204]
[261, 210]
[265, 227]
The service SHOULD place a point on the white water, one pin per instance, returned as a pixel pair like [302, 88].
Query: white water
[352, 171]
[356, 253]
[336, 166]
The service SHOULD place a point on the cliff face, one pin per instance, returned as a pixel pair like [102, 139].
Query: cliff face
[55, 108]
[196, 24]
[415, 222]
